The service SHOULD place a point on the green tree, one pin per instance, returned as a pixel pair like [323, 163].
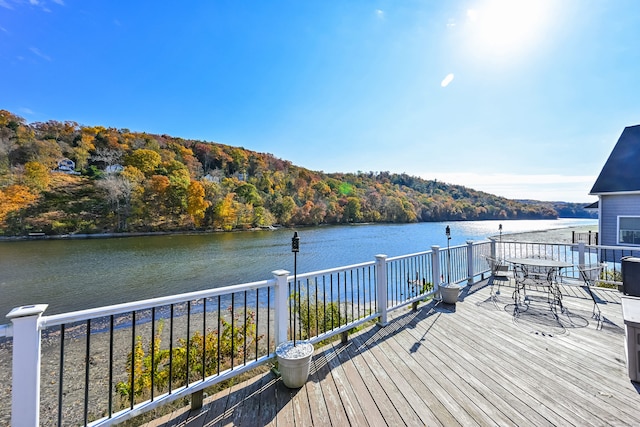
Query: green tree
[353, 210]
[145, 160]
[37, 175]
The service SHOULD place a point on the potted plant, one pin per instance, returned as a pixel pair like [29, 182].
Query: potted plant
[448, 291]
[294, 362]
[294, 357]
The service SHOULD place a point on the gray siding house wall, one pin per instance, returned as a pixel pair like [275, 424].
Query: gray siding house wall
[611, 208]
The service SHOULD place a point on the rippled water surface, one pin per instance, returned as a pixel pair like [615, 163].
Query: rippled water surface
[78, 274]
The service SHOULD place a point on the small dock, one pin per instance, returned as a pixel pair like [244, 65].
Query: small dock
[472, 364]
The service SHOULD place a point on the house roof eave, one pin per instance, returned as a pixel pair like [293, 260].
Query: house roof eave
[615, 193]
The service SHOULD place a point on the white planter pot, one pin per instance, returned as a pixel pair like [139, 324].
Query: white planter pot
[449, 293]
[294, 362]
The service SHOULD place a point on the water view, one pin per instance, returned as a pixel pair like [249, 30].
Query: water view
[78, 274]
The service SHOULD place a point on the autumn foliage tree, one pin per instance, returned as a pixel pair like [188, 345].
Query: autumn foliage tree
[134, 181]
[196, 203]
[14, 198]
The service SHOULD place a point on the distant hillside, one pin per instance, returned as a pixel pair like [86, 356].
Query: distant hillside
[565, 209]
[65, 178]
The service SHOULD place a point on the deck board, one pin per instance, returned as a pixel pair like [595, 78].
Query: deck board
[368, 367]
[474, 363]
[354, 376]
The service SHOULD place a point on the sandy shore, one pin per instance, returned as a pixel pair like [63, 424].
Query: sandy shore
[557, 235]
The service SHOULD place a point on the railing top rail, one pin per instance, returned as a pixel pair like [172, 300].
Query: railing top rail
[92, 313]
[399, 257]
[518, 242]
[333, 270]
[617, 248]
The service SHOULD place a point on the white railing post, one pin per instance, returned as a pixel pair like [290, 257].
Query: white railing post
[581, 247]
[494, 252]
[470, 258]
[381, 288]
[281, 306]
[435, 269]
[25, 392]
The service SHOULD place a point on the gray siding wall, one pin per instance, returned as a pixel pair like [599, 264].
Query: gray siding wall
[610, 208]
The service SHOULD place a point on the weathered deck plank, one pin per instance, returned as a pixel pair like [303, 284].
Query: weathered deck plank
[470, 364]
[354, 376]
[337, 412]
[393, 385]
[368, 367]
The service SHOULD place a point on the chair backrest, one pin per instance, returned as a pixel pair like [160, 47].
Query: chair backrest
[591, 273]
[496, 265]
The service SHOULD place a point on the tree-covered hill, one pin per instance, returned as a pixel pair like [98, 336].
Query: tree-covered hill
[64, 178]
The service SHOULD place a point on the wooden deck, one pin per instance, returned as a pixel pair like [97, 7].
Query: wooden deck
[469, 364]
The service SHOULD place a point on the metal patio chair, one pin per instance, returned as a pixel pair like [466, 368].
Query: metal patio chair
[590, 274]
[499, 273]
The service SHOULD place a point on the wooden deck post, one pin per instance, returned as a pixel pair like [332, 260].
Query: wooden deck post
[25, 393]
[197, 399]
[381, 288]
[280, 305]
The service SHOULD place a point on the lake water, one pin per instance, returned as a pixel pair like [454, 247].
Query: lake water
[78, 274]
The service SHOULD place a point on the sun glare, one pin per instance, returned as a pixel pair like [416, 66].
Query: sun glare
[501, 27]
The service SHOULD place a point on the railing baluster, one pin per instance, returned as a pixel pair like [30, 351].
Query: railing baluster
[339, 305]
[245, 327]
[204, 338]
[110, 382]
[268, 320]
[61, 376]
[188, 366]
[133, 359]
[153, 351]
[233, 328]
[87, 357]
[171, 310]
[219, 333]
[315, 283]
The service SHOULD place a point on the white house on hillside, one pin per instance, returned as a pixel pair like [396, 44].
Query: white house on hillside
[67, 166]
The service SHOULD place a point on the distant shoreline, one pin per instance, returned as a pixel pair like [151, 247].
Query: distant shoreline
[83, 236]
[554, 235]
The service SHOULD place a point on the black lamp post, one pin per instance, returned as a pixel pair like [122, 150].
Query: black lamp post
[447, 231]
[500, 230]
[295, 248]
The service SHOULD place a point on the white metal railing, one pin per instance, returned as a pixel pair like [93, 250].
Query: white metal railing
[220, 332]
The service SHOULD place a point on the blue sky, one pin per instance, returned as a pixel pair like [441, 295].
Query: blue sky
[523, 99]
